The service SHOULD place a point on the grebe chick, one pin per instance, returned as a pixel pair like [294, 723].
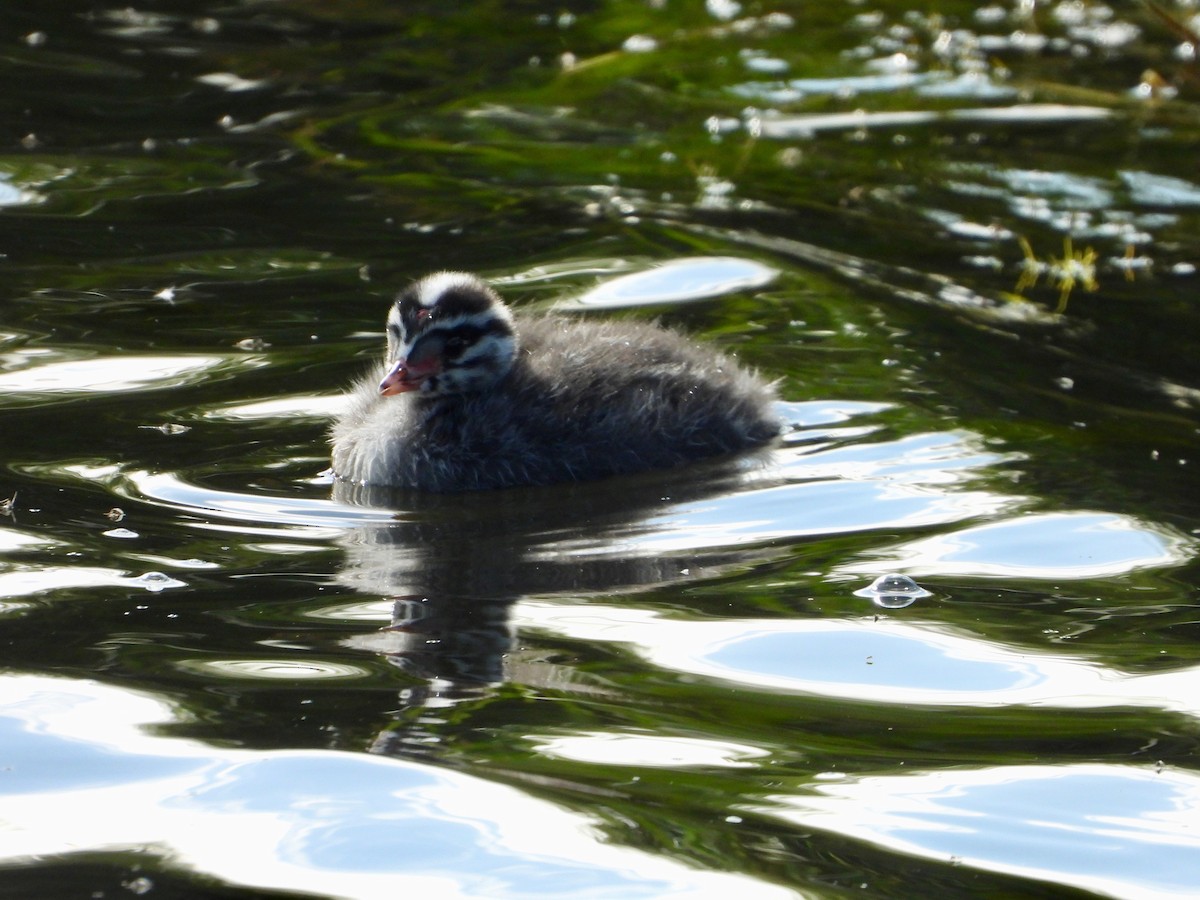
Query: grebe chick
[472, 397]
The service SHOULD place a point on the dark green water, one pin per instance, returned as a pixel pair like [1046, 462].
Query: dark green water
[665, 686]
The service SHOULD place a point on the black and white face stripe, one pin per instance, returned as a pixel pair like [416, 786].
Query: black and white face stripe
[442, 298]
[458, 321]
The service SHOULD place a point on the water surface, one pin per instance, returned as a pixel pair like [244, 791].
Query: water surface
[962, 241]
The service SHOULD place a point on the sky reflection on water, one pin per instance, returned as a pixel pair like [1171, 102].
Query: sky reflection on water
[344, 824]
[1119, 830]
[868, 661]
[75, 377]
[1049, 546]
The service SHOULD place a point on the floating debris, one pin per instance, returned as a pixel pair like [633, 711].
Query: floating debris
[893, 591]
[7, 505]
[1132, 263]
[168, 428]
[116, 514]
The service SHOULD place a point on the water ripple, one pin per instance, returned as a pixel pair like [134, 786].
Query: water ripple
[652, 750]
[31, 378]
[171, 490]
[25, 581]
[272, 669]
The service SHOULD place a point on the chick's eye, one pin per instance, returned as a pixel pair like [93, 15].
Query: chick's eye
[455, 345]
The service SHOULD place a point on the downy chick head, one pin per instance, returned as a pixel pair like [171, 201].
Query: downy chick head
[448, 333]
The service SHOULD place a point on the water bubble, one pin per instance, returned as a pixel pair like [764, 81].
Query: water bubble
[140, 885]
[893, 591]
[719, 125]
[639, 43]
[723, 9]
[158, 581]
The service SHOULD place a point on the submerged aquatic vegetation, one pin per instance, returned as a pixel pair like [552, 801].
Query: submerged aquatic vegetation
[1074, 267]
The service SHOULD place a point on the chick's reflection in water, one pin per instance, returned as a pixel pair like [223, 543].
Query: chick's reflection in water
[453, 565]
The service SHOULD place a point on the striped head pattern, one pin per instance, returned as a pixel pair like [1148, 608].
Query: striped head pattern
[448, 333]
